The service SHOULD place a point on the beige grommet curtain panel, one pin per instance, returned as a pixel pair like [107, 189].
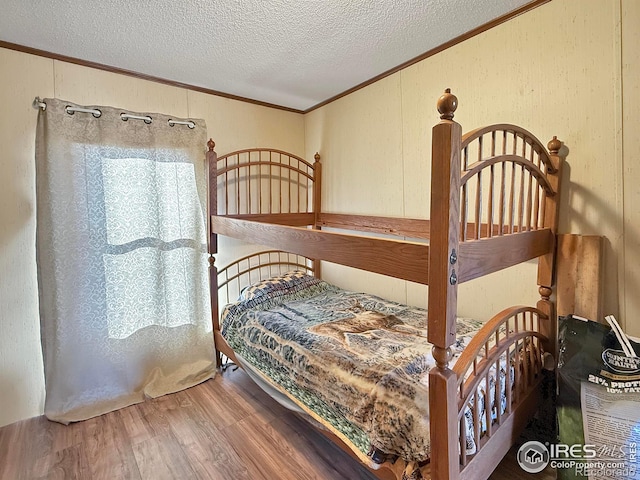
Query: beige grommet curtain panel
[121, 255]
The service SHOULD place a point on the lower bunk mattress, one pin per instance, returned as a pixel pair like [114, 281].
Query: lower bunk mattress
[356, 363]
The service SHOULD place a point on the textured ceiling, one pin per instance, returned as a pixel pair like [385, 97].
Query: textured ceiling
[293, 53]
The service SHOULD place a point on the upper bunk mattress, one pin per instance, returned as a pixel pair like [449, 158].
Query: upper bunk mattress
[356, 362]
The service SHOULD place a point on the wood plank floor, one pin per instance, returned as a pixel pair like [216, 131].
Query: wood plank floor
[225, 428]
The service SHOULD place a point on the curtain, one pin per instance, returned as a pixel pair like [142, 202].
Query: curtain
[121, 255]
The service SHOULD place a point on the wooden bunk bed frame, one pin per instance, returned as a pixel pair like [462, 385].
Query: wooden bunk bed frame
[488, 213]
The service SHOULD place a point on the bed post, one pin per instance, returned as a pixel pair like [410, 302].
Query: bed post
[212, 209]
[546, 263]
[317, 204]
[443, 288]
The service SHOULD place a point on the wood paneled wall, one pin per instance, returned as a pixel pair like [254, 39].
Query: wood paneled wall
[566, 68]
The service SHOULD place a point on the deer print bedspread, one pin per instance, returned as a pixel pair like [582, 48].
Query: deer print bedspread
[354, 362]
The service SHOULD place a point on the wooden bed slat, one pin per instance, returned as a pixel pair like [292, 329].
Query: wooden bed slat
[579, 277]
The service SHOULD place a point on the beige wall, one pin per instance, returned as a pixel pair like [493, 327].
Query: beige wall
[21, 376]
[555, 70]
[231, 123]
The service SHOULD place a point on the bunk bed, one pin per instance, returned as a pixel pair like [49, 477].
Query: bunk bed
[494, 204]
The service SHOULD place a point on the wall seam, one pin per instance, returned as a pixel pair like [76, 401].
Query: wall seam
[186, 93]
[55, 88]
[620, 114]
[402, 162]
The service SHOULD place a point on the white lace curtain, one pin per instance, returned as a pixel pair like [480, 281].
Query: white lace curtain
[122, 264]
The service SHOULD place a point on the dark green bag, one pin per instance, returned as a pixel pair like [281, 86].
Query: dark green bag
[598, 381]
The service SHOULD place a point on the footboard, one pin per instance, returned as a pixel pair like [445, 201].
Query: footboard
[498, 375]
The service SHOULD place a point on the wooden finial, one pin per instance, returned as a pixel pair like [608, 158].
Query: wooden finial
[545, 292]
[442, 356]
[447, 104]
[554, 145]
[317, 157]
[211, 144]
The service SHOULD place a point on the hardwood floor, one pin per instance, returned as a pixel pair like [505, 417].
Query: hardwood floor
[225, 429]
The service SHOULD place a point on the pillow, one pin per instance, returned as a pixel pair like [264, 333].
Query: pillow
[278, 285]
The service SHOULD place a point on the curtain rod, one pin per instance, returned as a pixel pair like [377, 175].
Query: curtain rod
[38, 103]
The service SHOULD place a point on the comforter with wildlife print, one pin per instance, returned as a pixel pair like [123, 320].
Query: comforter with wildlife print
[356, 363]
